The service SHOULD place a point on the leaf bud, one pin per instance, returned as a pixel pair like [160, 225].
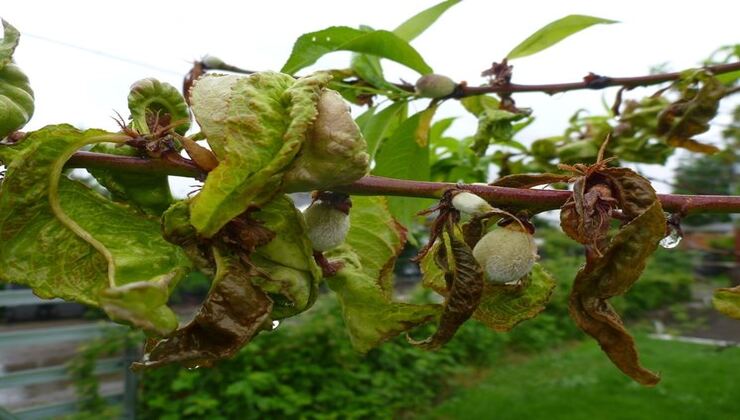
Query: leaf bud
[506, 254]
[435, 86]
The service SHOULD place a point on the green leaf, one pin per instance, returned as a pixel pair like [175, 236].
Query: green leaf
[727, 301]
[16, 96]
[479, 104]
[64, 240]
[312, 46]
[402, 157]
[11, 37]
[418, 23]
[364, 284]
[146, 192]
[495, 126]
[233, 313]
[554, 32]
[380, 124]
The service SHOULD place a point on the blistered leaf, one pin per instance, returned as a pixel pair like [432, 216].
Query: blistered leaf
[364, 284]
[256, 126]
[150, 193]
[394, 161]
[464, 287]
[418, 23]
[310, 47]
[156, 104]
[233, 313]
[289, 274]
[727, 301]
[377, 238]
[554, 32]
[64, 240]
[370, 316]
[16, 96]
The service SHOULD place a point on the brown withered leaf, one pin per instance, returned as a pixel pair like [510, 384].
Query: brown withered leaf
[464, 278]
[529, 180]
[613, 274]
[233, 313]
[692, 145]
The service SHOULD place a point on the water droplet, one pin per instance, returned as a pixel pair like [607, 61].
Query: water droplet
[145, 358]
[673, 238]
[328, 38]
[194, 367]
[313, 39]
[275, 324]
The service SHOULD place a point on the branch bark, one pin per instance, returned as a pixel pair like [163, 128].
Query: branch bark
[534, 200]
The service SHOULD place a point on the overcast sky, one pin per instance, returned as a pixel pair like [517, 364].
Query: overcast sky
[68, 47]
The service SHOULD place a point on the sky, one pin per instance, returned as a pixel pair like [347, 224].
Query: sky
[82, 56]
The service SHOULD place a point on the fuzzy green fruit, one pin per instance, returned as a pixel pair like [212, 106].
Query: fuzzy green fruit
[506, 254]
[435, 86]
[327, 226]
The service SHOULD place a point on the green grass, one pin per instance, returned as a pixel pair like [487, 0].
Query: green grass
[579, 382]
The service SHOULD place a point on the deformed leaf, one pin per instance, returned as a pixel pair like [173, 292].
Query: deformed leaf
[233, 313]
[554, 32]
[364, 284]
[154, 104]
[494, 126]
[464, 287]
[727, 301]
[370, 316]
[149, 193]
[256, 126]
[612, 275]
[11, 37]
[64, 240]
[309, 47]
[377, 238]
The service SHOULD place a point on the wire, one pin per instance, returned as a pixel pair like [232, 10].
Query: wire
[102, 54]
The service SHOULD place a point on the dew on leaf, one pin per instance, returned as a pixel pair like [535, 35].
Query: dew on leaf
[672, 239]
[275, 324]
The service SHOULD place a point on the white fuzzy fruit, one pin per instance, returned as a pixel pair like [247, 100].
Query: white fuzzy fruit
[327, 226]
[470, 203]
[506, 254]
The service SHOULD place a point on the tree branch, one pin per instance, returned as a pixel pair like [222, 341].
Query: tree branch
[534, 200]
[593, 83]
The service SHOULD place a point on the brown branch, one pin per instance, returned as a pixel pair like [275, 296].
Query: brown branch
[534, 200]
[593, 83]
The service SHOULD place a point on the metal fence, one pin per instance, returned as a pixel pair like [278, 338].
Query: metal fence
[18, 340]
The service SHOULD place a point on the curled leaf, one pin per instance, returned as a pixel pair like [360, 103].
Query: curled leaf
[233, 313]
[64, 240]
[16, 96]
[612, 275]
[364, 284]
[464, 284]
[727, 301]
[154, 104]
